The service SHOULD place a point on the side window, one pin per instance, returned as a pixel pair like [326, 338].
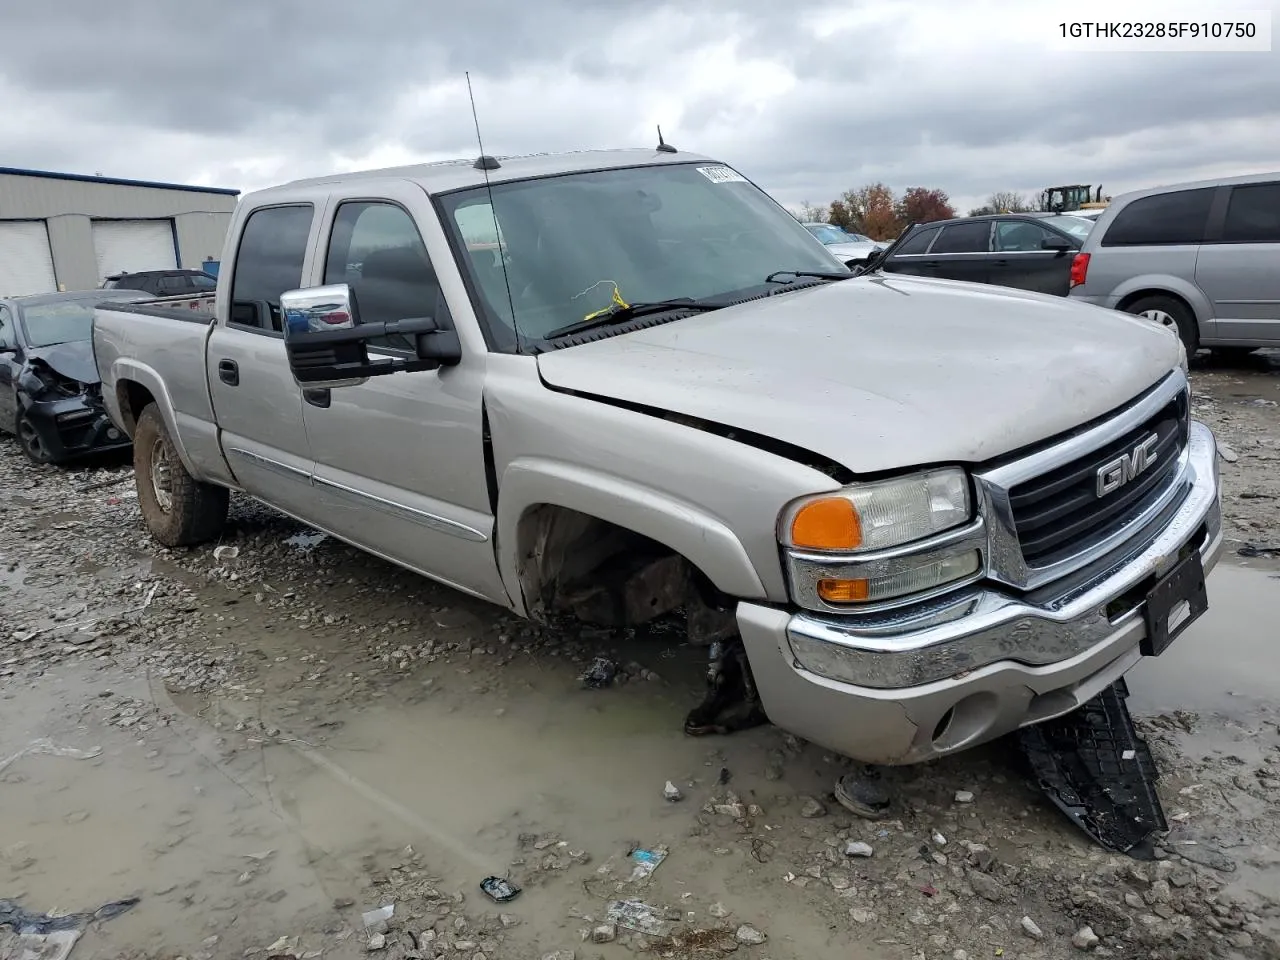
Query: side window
[917, 244]
[202, 284]
[964, 238]
[1253, 214]
[8, 337]
[376, 248]
[273, 246]
[1019, 236]
[171, 286]
[1162, 219]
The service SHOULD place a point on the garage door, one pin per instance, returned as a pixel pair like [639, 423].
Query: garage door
[26, 262]
[133, 245]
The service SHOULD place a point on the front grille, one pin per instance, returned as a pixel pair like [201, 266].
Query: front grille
[1060, 513]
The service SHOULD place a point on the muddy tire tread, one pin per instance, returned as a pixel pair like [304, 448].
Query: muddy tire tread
[199, 509]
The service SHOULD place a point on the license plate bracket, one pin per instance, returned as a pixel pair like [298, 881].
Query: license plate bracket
[1174, 603]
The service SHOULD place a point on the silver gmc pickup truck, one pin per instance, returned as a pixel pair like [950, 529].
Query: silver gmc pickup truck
[905, 516]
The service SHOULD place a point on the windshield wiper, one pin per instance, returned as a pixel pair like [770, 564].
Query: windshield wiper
[618, 314]
[798, 274]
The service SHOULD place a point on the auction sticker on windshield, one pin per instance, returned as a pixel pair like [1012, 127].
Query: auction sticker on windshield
[721, 175]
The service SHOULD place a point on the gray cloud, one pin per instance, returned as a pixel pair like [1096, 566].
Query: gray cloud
[926, 93]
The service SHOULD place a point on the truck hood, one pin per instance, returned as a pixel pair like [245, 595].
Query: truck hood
[73, 359]
[883, 373]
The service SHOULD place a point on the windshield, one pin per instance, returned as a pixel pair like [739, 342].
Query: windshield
[829, 233]
[661, 232]
[1078, 227]
[64, 321]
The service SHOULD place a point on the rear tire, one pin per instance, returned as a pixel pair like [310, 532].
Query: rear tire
[29, 440]
[1170, 312]
[178, 509]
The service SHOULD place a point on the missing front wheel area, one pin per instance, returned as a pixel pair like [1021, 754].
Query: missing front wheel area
[732, 701]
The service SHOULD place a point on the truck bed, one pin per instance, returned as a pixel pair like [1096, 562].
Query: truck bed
[160, 345]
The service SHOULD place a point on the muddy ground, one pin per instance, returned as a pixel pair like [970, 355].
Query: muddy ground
[262, 742]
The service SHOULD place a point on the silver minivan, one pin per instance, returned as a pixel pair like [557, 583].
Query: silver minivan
[1201, 257]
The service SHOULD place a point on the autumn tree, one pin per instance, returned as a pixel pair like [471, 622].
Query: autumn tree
[868, 210]
[840, 214]
[924, 205]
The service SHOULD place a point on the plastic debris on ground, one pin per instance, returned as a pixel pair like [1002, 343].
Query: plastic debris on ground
[48, 748]
[38, 946]
[1092, 764]
[38, 936]
[375, 921]
[499, 889]
[306, 541]
[638, 916]
[600, 674]
[646, 861]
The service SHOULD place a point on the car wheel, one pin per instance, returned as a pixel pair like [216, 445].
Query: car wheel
[178, 509]
[30, 441]
[1170, 312]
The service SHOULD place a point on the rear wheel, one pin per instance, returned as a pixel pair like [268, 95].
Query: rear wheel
[178, 509]
[30, 441]
[1170, 312]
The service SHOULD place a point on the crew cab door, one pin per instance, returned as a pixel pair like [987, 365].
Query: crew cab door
[1019, 258]
[257, 404]
[399, 459]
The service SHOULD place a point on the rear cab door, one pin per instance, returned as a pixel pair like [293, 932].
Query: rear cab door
[963, 252]
[912, 255]
[1237, 264]
[1020, 260]
[257, 404]
[399, 460]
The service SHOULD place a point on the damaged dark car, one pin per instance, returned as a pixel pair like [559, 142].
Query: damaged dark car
[50, 392]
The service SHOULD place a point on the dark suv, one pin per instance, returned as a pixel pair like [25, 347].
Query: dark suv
[163, 283]
[1029, 251]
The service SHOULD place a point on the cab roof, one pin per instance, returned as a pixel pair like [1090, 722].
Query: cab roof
[446, 175]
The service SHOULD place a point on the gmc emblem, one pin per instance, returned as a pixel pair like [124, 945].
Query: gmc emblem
[1116, 473]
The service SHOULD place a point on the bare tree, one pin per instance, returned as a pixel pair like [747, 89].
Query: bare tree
[811, 213]
[1007, 201]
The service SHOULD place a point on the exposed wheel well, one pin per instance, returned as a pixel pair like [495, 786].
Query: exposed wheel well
[602, 573]
[133, 398]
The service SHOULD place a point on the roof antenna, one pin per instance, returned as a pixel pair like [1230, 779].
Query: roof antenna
[484, 164]
[663, 146]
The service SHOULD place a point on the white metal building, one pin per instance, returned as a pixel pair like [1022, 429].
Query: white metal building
[63, 231]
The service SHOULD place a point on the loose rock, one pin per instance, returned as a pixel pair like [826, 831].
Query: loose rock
[1084, 939]
[1030, 928]
[811, 809]
[672, 792]
[857, 848]
[750, 935]
[964, 796]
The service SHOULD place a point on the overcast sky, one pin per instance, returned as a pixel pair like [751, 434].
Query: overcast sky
[807, 100]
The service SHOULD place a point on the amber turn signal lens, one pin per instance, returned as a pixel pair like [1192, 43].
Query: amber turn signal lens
[828, 524]
[843, 591]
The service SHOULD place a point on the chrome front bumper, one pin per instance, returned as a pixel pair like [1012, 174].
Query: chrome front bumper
[924, 682]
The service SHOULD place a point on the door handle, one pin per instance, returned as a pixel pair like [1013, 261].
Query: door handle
[318, 397]
[1000, 263]
[229, 372]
